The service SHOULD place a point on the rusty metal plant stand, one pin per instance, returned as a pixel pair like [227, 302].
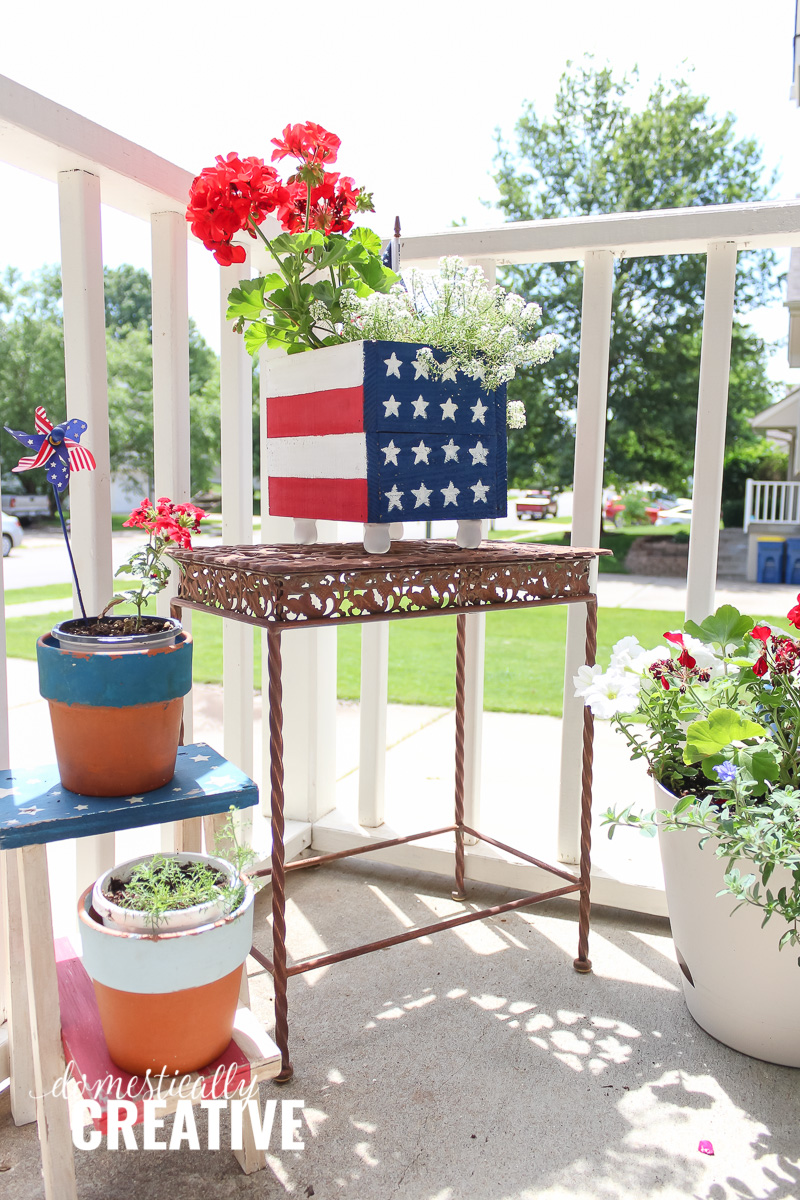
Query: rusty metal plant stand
[296, 587]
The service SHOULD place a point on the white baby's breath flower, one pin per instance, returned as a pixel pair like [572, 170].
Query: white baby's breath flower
[515, 414]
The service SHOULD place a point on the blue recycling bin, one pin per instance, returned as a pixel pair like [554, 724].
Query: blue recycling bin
[791, 567]
[771, 553]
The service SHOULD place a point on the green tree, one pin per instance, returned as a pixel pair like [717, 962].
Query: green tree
[599, 154]
[32, 372]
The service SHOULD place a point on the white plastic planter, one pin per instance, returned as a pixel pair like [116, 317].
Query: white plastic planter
[132, 920]
[738, 985]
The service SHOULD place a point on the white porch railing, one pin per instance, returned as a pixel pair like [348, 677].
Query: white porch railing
[91, 165]
[771, 503]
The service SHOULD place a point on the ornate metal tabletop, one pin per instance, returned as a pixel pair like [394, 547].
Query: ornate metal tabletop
[288, 585]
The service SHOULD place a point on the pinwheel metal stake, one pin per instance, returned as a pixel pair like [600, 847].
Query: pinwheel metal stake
[57, 447]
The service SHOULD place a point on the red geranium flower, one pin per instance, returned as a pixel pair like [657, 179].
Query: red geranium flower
[675, 638]
[685, 659]
[308, 142]
[793, 615]
[226, 198]
[762, 632]
[761, 667]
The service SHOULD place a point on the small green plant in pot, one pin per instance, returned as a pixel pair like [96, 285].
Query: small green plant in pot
[715, 714]
[161, 893]
[164, 941]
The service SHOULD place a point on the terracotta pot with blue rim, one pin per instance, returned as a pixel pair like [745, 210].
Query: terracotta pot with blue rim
[358, 432]
[116, 705]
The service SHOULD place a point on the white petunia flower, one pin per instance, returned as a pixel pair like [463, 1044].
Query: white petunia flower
[613, 693]
[585, 678]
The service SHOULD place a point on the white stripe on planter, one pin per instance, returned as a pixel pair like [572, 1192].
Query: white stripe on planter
[334, 456]
[135, 962]
[294, 374]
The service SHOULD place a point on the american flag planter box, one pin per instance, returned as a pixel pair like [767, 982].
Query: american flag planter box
[359, 432]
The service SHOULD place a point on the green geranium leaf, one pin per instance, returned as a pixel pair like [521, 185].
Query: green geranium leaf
[324, 291]
[367, 238]
[255, 336]
[247, 300]
[375, 275]
[307, 240]
[726, 627]
[760, 763]
[722, 727]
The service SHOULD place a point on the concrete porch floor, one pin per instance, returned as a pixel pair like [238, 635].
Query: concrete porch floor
[476, 1065]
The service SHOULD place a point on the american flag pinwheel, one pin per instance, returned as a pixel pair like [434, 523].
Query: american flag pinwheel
[56, 447]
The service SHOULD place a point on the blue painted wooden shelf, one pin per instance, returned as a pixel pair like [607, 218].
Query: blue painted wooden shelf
[36, 808]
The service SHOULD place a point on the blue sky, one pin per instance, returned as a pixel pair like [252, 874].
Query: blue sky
[415, 90]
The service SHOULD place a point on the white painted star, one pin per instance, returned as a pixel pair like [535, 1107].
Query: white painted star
[451, 451]
[421, 368]
[134, 799]
[393, 365]
[30, 812]
[391, 451]
[55, 793]
[6, 792]
[449, 410]
[394, 498]
[478, 410]
[420, 406]
[13, 821]
[421, 453]
[177, 789]
[449, 371]
[479, 374]
[201, 758]
[422, 494]
[224, 781]
[480, 490]
[81, 807]
[391, 407]
[479, 453]
[450, 493]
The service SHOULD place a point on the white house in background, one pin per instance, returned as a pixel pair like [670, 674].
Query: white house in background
[127, 493]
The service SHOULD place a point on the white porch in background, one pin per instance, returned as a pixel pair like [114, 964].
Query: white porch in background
[90, 166]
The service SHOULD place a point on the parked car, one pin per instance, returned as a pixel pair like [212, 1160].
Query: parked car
[681, 514]
[24, 505]
[12, 534]
[535, 505]
[613, 509]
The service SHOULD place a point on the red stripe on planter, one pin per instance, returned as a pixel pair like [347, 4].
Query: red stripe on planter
[338, 411]
[326, 499]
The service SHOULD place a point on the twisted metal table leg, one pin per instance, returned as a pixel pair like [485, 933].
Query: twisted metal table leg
[461, 650]
[582, 963]
[278, 888]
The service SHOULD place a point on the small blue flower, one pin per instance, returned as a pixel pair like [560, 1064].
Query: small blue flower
[725, 772]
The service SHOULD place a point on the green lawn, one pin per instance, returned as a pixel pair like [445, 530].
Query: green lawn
[524, 654]
[52, 591]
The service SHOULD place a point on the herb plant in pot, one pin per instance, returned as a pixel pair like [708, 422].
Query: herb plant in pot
[164, 941]
[715, 714]
[115, 684]
[386, 400]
